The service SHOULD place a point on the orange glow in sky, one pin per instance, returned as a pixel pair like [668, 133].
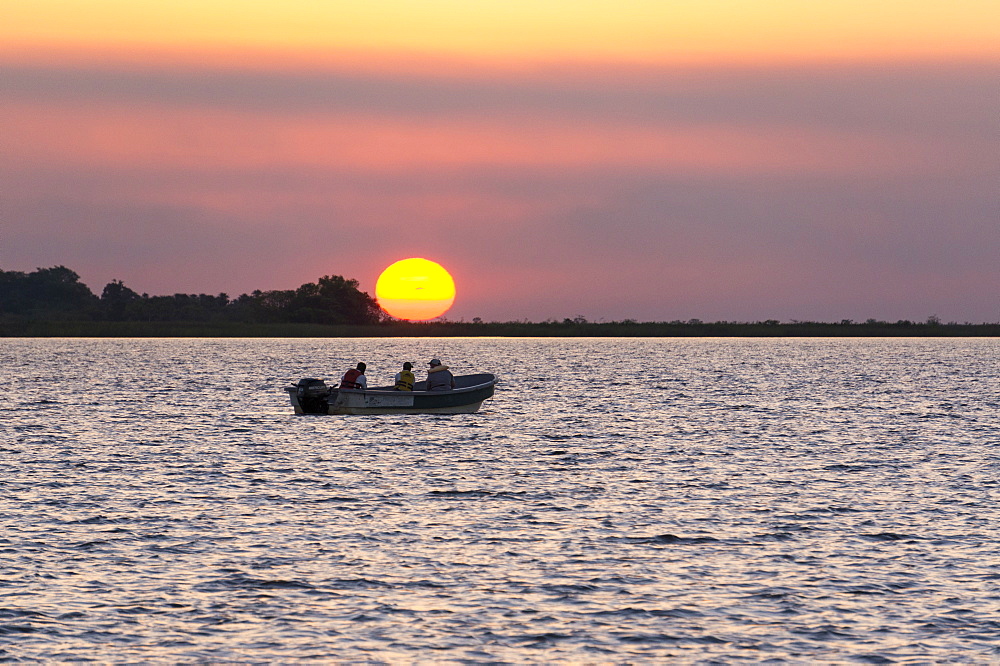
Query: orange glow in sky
[516, 31]
[416, 289]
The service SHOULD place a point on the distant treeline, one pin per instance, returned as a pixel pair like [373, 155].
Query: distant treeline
[56, 296]
[52, 302]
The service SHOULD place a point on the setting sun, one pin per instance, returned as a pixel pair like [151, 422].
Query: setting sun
[415, 289]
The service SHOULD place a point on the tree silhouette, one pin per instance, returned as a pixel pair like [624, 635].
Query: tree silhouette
[57, 292]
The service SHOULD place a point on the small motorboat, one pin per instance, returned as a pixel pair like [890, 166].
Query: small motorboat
[313, 396]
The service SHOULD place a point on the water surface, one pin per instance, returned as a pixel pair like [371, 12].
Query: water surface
[617, 500]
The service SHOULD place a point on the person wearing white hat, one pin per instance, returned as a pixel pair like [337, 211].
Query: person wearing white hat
[439, 378]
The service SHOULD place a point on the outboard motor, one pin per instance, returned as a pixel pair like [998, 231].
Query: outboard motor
[312, 395]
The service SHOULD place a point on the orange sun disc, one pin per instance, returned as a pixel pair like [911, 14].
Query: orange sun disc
[415, 289]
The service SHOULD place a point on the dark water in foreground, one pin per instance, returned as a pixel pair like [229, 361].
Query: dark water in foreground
[617, 501]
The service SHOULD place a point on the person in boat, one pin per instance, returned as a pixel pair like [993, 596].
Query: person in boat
[405, 379]
[439, 378]
[355, 378]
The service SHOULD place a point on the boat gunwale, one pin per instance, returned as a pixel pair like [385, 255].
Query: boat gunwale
[391, 391]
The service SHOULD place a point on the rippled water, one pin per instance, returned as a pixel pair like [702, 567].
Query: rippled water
[618, 500]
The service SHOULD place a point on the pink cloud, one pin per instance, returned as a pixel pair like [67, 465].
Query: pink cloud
[712, 194]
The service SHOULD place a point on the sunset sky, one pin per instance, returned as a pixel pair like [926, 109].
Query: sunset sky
[653, 160]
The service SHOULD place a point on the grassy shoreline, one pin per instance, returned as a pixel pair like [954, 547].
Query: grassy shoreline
[135, 329]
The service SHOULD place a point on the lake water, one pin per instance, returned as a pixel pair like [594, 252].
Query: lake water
[618, 500]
